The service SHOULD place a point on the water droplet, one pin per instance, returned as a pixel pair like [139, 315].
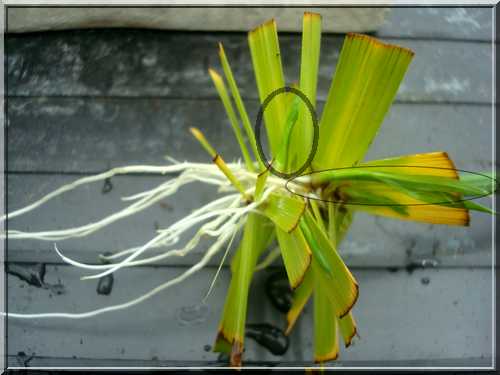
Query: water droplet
[192, 315]
[270, 337]
[429, 262]
[105, 285]
[223, 357]
[149, 60]
[107, 186]
[57, 289]
[207, 348]
[33, 274]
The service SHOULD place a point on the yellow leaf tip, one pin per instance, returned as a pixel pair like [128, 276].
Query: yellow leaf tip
[300, 279]
[353, 302]
[196, 132]
[379, 43]
[269, 23]
[312, 15]
[348, 341]
[213, 72]
[332, 356]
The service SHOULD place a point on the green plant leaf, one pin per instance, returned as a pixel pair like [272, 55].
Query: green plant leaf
[326, 344]
[417, 210]
[284, 210]
[296, 255]
[260, 184]
[228, 106]
[266, 60]
[228, 73]
[436, 163]
[230, 338]
[316, 249]
[302, 136]
[219, 162]
[284, 150]
[340, 284]
[339, 221]
[365, 83]
[348, 329]
[300, 297]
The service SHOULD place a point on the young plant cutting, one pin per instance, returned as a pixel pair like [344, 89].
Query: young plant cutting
[301, 179]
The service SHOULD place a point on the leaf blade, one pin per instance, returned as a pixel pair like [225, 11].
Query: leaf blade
[364, 85]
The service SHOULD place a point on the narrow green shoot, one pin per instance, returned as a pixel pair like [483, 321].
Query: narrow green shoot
[235, 92]
[217, 159]
[228, 106]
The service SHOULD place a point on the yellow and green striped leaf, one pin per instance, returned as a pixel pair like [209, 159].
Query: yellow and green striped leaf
[340, 285]
[284, 210]
[365, 83]
[326, 344]
[348, 328]
[296, 255]
[431, 163]
[302, 136]
[230, 338]
[266, 60]
[300, 297]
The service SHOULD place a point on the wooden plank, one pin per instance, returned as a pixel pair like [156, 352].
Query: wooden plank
[90, 135]
[460, 23]
[372, 242]
[428, 315]
[174, 64]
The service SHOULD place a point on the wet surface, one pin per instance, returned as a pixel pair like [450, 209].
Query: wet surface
[270, 337]
[34, 275]
[105, 285]
[192, 315]
[24, 359]
[425, 280]
[279, 292]
[107, 186]
[422, 263]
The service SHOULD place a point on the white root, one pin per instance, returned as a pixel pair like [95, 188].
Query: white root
[206, 229]
[181, 226]
[212, 284]
[226, 215]
[193, 269]
[164, 190]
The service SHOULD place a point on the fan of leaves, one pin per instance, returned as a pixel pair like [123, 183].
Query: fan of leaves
[425, 188]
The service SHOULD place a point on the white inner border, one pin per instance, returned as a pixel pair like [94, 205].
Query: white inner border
[172, 3]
